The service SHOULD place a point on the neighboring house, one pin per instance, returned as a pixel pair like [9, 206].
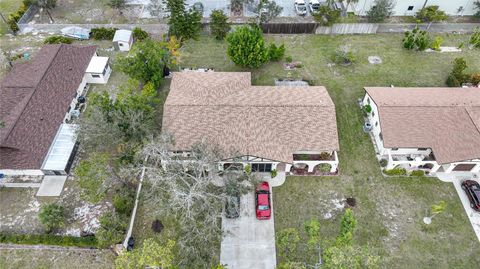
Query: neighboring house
[287, 129]
[410, 7]
[430, 129]
[37, 100]
[123, 40]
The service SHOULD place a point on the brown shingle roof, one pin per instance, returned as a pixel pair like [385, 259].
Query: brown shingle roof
[34, 98]
[447, 120]
[269, 122]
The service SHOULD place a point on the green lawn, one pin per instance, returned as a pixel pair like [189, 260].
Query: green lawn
[389, 211]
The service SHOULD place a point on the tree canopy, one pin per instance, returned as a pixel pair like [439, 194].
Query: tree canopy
[246, 47]
[184, 24]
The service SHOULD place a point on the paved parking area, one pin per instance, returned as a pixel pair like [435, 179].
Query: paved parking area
[473, 216]
[248, 243]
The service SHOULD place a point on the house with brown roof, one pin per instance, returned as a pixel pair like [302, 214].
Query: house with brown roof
[287, 129]
[430, 129]
[38, 100]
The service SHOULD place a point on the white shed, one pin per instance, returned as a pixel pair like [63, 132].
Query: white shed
[98, 70]
[123, 40]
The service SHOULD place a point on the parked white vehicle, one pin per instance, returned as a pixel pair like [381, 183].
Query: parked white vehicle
[300, 7]
[315, 5]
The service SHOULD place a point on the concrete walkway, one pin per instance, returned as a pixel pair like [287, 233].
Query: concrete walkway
[52, 186]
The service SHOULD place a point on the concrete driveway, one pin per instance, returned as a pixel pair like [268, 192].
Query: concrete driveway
[248, 243]
[473, 216]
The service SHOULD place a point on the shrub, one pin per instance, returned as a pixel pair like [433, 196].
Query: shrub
[91, 173]
[123, 201]
[219, 25]
[184, 24]
[276, 53]
[395, 172]
[58, 39]
[248, 169]
[103, 33]
[431, 14]
[437, 42]
[288, 59]
[475, 78]
[383, 162]
[287, 242]
[112, 229]
[367, 108]
[48, 239]
[417, 173]
[475, 38]
[344, 56]
[326, 15]
[157, 226]
[323, 167]
[139, 34]
[325, 156]
[13, 18]
[273, 173]
[347, 227]
[246, 47]
[416, 39]
[52, 216]
[381, 9]
[312, 229]
[457, 76]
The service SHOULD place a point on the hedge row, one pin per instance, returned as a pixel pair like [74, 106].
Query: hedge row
[103, 33]
[48, 239]
[15, 16]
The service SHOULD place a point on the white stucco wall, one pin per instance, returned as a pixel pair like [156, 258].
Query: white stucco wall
[103, 79]
[26, 172]
[401, 7]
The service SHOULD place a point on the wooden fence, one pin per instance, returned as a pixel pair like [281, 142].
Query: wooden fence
[289, 28]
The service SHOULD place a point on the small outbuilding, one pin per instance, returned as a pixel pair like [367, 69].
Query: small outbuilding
[123, 40]
[98, 70]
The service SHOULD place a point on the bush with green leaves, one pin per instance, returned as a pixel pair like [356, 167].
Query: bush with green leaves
[52, 216]
[123, 201]
[145, 62]
[112, 229]
[312, 229]
[437, 42]
[219, 26]
[457, 76]
[91, 174]
[417, 173]
[48, 239]
[13, 18]
[288, 59]
[395, 172]
[184, 24]
[246, 47]
[347, 227]
[103, 33]
[248, 169]
[431, 14]
[475, 38]
[323, 168]
[57, 39]
[367, 108]
[326, 15]
[287, 243]
[276, 53]
[344, 56]
[416, 39]
[273, 173]
[383, 162]
[139, 34]
[380, 10]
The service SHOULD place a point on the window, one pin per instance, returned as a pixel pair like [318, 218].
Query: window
[95, 76]
[368, 100]
[422, 149]
[376, 123]
[410, 8]
[120, 44]
[394, 149]
[381, 136]
[373, 114]
[261, 167]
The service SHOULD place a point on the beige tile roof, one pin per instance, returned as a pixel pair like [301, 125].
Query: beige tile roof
[447, 120]
[264, 121]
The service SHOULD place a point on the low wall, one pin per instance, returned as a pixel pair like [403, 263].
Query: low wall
[348, 28]
[55, 28]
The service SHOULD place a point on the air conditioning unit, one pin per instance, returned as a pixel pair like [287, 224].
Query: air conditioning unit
[74, 113]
